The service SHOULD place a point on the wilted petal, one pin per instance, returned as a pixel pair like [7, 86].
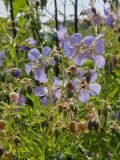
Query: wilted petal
[94, 76]
[79, 59]
[44, 101]
[84, 96]
[99, 61]
[2, 55]
[57, 82]
[95, 89]
[28, 68]
[88, 40]
[41, 91]
[76, 38]
[41, 76]
[33, 54]
[69, 51]
[99, 48]
[46, 51]
[57, 93]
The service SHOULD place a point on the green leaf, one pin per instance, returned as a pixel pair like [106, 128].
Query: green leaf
[18, 6]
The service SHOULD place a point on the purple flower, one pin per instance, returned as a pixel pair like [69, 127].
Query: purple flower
[96, 19]
[41, 76]
[109, 20]
[2, 56]
[29, 67]
[41, 91]
[79, 59]
[46, 51]
[29, 41]
[57, 82]
[21, 101]
[61, 33]
[45, 101]
[99, 61]
[88, 40]
[33, 54]
[88, 90]
[16, 72]
[89, 47]
[76, 38]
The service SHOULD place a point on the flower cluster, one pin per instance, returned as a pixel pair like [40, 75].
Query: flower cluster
[78, 82]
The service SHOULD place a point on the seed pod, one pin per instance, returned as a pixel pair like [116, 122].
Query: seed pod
[17, 118]
[96, 125]
[16, 140]
[8, 155]
[115, 60]
[72, 69]
[1, 151]
[14, 97]
[90, 124]
[82, 126]
[90, 105]
[73, 126]
[2, 124]
[16, 72]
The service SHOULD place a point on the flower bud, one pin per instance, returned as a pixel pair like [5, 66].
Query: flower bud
[17, 118]
[14, 97]
[90, 124]
[8, 155]
[73, 126]
[96, 125]
[82, 126]
[115, 60]
[89, 105]
[16, 72]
